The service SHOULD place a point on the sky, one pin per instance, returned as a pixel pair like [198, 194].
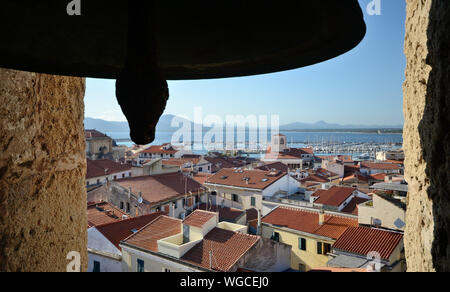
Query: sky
[362, 87]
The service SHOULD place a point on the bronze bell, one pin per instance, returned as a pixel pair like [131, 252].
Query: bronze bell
[144, 43]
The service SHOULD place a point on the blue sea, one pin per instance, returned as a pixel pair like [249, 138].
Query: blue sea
[297, 139]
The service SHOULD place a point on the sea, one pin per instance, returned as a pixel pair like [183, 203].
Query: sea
[294, 138]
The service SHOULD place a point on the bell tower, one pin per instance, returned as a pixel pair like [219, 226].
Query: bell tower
[279, 143]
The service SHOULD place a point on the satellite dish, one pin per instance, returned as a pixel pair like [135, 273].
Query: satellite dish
[140, 200]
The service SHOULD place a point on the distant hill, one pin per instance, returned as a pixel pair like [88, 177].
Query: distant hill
[164, 124]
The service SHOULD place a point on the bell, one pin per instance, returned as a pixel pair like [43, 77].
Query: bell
[144, 43]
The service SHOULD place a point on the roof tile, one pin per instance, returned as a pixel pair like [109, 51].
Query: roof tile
[308, 222]
[363, 240]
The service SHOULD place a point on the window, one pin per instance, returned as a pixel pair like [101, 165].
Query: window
[253, 201]
[319, 248]
[123, 175]
[323, 248]
[128, 208]
[140, 266]
[96, 267]
[302, 243]
[235, 198]
[213, 193]
[121, 205]
[275, 236]
[326, 248]
[166, 270]
[115, 177]
[98, 181]
[200, 169]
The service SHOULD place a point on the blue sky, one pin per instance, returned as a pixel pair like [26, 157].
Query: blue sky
[363, 86]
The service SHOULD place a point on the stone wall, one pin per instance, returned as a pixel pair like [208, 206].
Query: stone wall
[42, 171]
[427, 135]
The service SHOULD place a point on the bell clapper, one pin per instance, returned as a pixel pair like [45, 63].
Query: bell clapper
[141, 89]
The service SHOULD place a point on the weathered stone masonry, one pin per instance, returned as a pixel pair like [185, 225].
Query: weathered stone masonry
[427, 135]
[42, 171]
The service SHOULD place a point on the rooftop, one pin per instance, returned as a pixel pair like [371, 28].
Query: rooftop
[251, 179]
[103, 167]
[117, 231]
[335, 196]
[102, 213]
[382, 166]
[88, 134]
[352, 207]
[390, 187]
[356, 177]
[160, 228]
[308, 222]
[199, 218]
[225, 247]
[291, 153]
[160, 149]
[363, 240]
[158, 188]
[274, 166]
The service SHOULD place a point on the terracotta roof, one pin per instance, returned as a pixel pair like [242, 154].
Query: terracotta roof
[363, 240]
[356, 176]
[199, 218]
[335, 196]
[117, 231]
[276, 166]
[252, 179]
[291, 153]
[320, 175]
[158, 188]
[308, 222]
[382, 166]
[158, 149]
[352, 207]
[103, 213]
[94, 134]
[314, 178]
[378, 176]
[225, 213]
[162, 227]
[396, 161]
[96, 168]
[227, 248]
[201, 178]
[181, 161]
[219, 163]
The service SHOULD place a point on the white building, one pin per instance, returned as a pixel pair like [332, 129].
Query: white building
[102, 171]
[246, 189]
[104, 252]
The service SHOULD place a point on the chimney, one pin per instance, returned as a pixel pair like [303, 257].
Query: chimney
[321, 217]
